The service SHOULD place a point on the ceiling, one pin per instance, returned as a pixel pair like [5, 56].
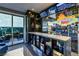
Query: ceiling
[23, 7]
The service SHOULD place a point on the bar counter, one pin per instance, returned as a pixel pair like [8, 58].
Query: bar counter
[65, 39]
[56, 37]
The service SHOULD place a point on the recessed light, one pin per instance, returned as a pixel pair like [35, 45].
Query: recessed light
[29, 12]
[33, 9]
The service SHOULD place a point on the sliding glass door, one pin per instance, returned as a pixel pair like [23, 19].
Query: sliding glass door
[11, 29]
[5, 28]
[17, 29]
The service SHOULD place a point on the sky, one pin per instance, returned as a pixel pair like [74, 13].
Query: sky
[6, 21]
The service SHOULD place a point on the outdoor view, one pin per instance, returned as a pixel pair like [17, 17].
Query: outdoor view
[11, 30]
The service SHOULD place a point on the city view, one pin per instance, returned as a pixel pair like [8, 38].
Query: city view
[11, 30]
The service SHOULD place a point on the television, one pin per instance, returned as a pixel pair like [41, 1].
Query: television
[52, 10]
[62, 6]
[43, 14]
[59, 4]
[52, 16]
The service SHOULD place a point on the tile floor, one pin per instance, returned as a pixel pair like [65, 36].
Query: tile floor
[16, 50]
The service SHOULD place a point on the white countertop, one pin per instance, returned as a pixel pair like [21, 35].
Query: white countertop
[51, 36]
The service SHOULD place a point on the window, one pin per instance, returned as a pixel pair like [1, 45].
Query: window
[11, 34]
[17, 29]
[17, 21]
[5, 24]
[5, 20]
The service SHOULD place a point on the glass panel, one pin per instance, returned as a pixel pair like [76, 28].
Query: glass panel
[17, 29]
[5, 28]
